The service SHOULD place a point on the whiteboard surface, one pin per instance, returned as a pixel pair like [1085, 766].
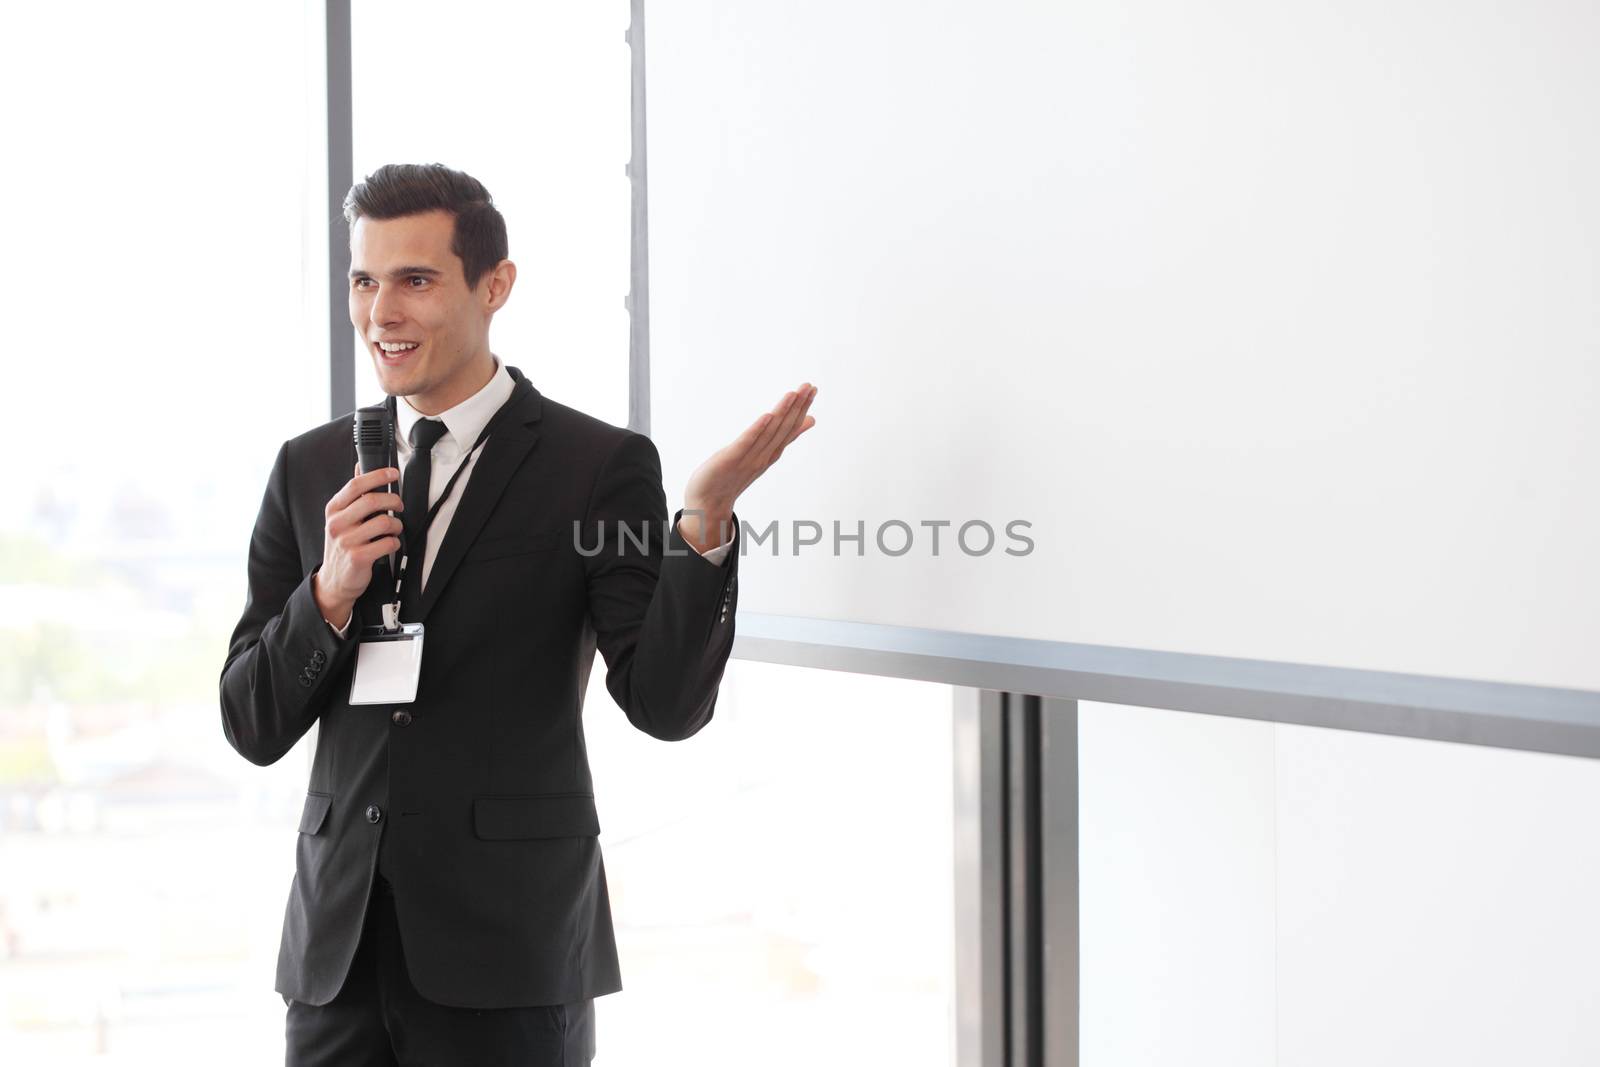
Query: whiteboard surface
[1277, 322]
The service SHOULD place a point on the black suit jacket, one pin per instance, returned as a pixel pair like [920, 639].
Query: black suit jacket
[478, 806]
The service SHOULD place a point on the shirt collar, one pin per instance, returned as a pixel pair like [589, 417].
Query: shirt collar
[464, 422]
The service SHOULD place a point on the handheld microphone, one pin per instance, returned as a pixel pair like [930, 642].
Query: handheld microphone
[374, 434]
[375, 448]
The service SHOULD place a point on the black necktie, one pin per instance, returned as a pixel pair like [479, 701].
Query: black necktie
[414, 493]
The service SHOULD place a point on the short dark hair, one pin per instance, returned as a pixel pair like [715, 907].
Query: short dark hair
[395, 190]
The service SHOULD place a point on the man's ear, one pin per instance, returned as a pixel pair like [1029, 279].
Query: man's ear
[500, 280]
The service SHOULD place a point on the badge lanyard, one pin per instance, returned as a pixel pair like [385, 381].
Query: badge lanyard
[391, 611]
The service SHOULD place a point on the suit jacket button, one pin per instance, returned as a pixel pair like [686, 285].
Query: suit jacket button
[319, 657]
[401, 718]
[374, 813]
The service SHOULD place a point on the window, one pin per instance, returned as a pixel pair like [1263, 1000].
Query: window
[532, 100]
[787, 872]
[162, 341]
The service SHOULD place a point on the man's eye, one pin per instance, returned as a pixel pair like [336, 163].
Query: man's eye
[362, 283]
[418, 281]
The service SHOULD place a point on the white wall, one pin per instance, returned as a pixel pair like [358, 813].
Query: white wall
[1259, 894]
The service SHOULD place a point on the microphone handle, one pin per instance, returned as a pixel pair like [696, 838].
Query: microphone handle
[371, 457]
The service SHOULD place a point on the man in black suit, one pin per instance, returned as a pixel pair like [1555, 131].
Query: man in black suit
[449, 903]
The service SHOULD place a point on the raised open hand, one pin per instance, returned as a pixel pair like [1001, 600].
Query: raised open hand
[716, 484]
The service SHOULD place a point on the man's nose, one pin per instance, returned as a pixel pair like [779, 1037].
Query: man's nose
[386, 309]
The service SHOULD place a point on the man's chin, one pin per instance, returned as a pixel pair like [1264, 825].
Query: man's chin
[397, 381]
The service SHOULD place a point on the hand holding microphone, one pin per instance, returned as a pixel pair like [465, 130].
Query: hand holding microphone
[360, 522]
[355, 536]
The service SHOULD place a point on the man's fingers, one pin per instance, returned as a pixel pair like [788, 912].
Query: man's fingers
[360, 484]
[797, 410]
[376, 526]
[781, 422]
[360, 506]
[764, 440]
[363, 508]
[754, 432]
[783, 432]
[368, 553]
[810, 422]
[774, 424]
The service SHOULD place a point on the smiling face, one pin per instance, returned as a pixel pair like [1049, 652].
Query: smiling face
[426, 329]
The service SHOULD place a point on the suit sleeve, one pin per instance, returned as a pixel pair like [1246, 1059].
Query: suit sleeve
[662, 614]
[283, 655]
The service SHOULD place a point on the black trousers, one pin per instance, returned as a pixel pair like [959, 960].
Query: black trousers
[379, 1018]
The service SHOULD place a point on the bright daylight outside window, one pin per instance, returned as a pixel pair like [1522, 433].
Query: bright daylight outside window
[160, 165]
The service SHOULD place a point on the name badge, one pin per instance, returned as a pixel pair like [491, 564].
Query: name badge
[388, 665]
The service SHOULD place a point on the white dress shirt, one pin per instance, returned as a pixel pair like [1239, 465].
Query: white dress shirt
[463, 423]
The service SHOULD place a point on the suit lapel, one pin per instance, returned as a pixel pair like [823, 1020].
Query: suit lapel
[510, 441]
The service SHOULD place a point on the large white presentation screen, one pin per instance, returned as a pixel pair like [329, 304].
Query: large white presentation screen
[1276, 321]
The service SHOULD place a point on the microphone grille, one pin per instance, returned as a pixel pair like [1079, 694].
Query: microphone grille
[369, 429]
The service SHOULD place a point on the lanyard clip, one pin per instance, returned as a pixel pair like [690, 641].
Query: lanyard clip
[391, 611]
